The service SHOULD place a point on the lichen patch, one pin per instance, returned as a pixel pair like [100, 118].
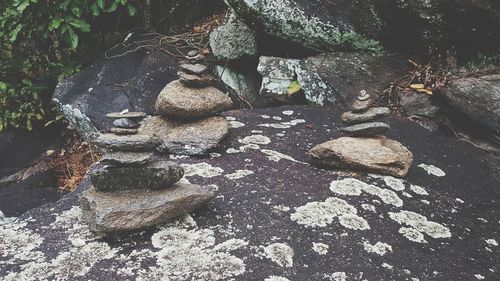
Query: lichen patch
[203, 170]
[378, 248]
[420, 224]
[432, 170]
[239, 174]
[255, 139]
[320, 248]
[354, 187]
[280, 253]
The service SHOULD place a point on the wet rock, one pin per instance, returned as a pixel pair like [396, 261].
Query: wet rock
[233, 40]
[112, 85]
[419, 104]
[369, 115]
[126, 123]
[366, 129]
[127, 142]
[197, 81]
[120, 158]
[122, 131]
[478, 98]
[156, 175]
[196, 69]
[126, 115]
[179, 101]
[132, 210]
[278, 74]
[192, 138]
[377, 155]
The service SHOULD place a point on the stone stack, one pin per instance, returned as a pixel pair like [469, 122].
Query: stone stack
[132, 190]
[125, 123]
[187, 121]
[365, 149]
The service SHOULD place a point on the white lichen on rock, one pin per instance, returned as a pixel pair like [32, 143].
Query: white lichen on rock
[420, 224]
[280, 253]
[432, 170]
[277, 156]
[238, 174]
[255, 139]
[418, 189]
[236, 124]
[337, 276]
[320, 248]
[276, 278]
[354, 187]
[321, 214]
[378, 248]
[491, 242]
[203, 170]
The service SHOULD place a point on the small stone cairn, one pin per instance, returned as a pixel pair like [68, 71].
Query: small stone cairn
[126, 123]
[365, 149]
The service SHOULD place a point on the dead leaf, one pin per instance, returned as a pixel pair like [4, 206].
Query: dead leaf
[293, 88]
[417, 86]
[425, 91]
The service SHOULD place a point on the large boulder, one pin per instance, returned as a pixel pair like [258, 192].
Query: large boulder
[330, 25]
[274, 216]
[233, 40]
[478, 98]
[130, 81]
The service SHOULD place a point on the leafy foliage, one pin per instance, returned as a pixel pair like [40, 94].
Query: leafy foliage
[38, 40]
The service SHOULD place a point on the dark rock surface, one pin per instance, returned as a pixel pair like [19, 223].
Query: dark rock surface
[270, 203]
[330, 25]
[157, 175]
[417, 104]
[111, 85]
[478, 98]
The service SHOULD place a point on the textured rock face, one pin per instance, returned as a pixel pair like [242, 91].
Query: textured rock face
[158, 175]
[233, 40]
[132, 210]
[120, 158]
[378, 155]
[478, 98]
[108, 86]
[419, 104]
[127, 142]
[178, 101]
[330, 25]
[192, 138]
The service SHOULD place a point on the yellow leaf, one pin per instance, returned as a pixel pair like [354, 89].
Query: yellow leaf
[425, 91]
[293, 88]
[417, 86]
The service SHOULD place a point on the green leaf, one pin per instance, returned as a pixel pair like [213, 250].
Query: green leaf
[13, 34]
[100, 4]
[131, 9]
[54, 24]
[293, 88]
[72, 38]
[22, 6]
[79, 24]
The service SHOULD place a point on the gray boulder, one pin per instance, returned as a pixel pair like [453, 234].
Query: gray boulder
[478, 98]
[132, 210]
[157, 175]
[233, 40]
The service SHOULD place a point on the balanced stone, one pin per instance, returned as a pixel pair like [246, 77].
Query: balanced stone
[120, 158]
[191, 138]
[116, 115]
[192, 53]
[128, 142]
[196, 69]
[363, 96]
[192, 80]
[366, 129]
[126, 123]
[179, 101]
[361, 106]
[122, 131]
[108, 212]
[157, 175]
[377, 155]
[369, 115]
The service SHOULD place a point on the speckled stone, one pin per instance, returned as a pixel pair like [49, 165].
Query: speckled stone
[192, 80]
[196, 69]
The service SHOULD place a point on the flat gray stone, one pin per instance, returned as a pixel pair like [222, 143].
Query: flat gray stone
[157, 175]
[366, 129]
[133, 210]
[196, 69]
[191, 138]
[127, 142]
[377, 155]
[361, 105]
[369, 115]
[126, 123]
[192, 80]
[177, 100]
[121, 158]
[122, 131]
[119, 115]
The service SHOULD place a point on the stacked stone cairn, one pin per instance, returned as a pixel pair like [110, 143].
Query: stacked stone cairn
[187, 108]
[365, 149]
[125, 123]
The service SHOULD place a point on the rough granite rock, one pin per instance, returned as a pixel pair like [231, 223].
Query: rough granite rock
[140, 142]
[195, 81]
[233, 40]
[177, 100]
[366, 129]
[361, 105]
[369, 115]
[377, 155]
[478, 98]
[121, 158]
[106, 212]
[196, 69]
[156, 175]
[271, 203]
[192, 138]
